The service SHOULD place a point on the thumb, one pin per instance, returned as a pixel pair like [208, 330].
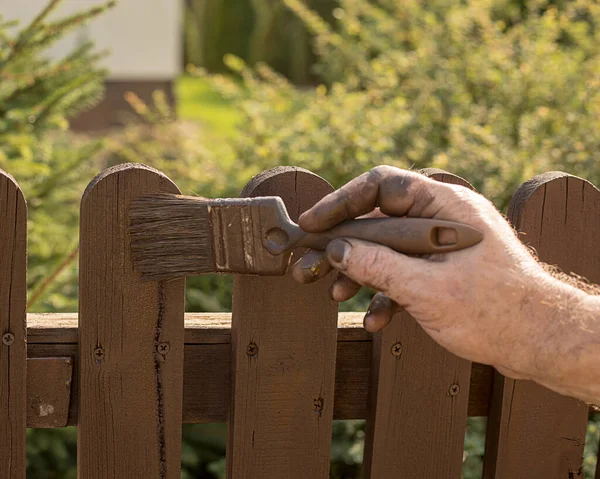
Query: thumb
[380, 268]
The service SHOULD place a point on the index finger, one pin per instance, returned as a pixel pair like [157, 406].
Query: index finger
[395, 191]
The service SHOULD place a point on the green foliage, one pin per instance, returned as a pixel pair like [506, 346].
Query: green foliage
[37, 96]
[52, 453]
[474, 447]
[590, 453]
[488, 91]
[198, 101]
[255, 30]
[347, 448]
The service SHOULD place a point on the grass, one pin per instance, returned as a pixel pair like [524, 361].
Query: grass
[198, 101]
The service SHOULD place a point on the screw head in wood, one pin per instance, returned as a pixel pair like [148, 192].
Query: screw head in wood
[99, 354]
[454, 390]
[8, 339]
[163, 348]
[397, 349]
[318, 404]
[252, 349]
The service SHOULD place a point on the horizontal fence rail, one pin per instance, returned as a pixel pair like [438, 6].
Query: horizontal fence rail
[206, 381]
[130, 368]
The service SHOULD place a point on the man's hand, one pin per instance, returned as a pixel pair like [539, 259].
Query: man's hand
[492, 303]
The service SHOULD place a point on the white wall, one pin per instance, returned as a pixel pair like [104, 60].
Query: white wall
[144, 37]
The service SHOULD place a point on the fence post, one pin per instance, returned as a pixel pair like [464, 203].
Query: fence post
[130, 341]
[534, 432]
[13, 345]
[418, 400]
[284, 338]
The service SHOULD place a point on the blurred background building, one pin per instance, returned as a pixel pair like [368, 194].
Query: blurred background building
[145, 41]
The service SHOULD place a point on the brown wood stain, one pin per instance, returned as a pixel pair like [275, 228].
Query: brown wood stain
[532, 431]
[419, 397]
[13, 346]
[283, 338]
[130, 341]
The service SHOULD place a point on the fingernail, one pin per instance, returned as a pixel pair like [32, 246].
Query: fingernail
[331, 291]
[368, 321]
[302, 218]
[337, 252]
[372, 322]
[313, 267]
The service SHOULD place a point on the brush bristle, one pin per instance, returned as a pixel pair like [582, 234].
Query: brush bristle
[171, 236]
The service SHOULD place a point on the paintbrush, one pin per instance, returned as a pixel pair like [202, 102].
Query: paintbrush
[175, 235]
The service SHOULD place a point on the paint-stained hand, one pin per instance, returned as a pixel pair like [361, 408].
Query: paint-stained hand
[478, 303]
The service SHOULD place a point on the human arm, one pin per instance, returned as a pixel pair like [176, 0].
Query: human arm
[493, 303]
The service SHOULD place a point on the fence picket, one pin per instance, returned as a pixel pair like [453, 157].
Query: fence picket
[418, 400]
[130, 392]
[284, 337]
[533, 432]
[13, 345]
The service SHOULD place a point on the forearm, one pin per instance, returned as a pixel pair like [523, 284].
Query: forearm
[568, 349]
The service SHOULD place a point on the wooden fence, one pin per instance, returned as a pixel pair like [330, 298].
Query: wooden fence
[131, 367]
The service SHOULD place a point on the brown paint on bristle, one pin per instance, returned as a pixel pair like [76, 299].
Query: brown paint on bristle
[174, 236]
[171, 236]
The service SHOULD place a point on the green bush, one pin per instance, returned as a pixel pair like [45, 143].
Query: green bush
[256, 30]
[495, 91]
[37, 96]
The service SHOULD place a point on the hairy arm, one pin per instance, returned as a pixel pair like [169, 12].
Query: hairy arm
[569, 358]
[493, 303]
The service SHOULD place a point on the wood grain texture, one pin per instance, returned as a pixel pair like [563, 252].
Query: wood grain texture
[206, 383]
[411, 411]
[281, 406]
[206, 389]
[130, 387]
[533, 432]
[13, 346]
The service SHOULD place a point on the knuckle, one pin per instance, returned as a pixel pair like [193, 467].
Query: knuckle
[381, 171]
[467, 195]
[467, 202]
[422, 195]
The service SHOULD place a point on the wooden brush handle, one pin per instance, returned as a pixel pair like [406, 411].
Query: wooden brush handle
[405, 235]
